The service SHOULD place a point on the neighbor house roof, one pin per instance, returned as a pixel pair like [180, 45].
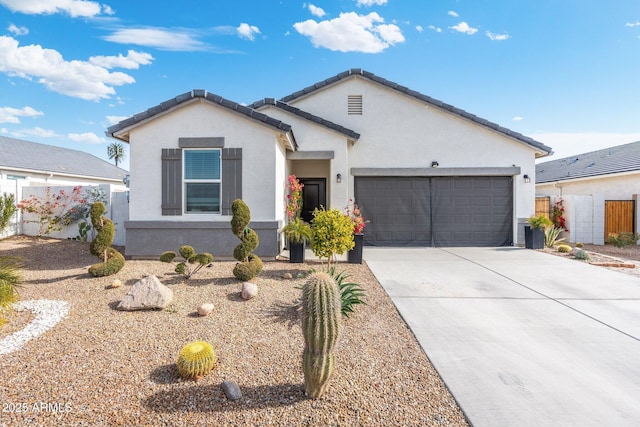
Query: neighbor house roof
[543, 149]
[305, 115]
[20, 155]
[120, 130]
[618, 159]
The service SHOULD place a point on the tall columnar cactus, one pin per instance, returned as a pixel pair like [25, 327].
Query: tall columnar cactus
[196, 359]
[249, 265]
[112, 260]
[320, 326]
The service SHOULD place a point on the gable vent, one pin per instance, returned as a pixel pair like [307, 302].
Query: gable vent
[354, 105]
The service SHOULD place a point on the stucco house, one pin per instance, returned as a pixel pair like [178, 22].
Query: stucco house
[599, 191]
[424, 172]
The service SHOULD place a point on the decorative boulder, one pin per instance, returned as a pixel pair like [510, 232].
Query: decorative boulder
[249, 290]
[231, 390]
[287, 276]
[205, 309]
[146, 294]
[115, 284]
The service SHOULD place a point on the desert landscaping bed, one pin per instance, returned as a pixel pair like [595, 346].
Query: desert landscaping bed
[101, 366]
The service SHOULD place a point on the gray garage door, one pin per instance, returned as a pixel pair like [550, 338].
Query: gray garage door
[436, 211]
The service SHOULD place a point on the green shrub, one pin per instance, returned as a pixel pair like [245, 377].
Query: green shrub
[7, 210]
[551, 234]
[10, 277]
[249, 265]
[540, 221]
[624, 239]
[297, 231]
[564, 248]
[115, 262]
[332, 233]
[112, 260]
[582, 255]
[190, 257]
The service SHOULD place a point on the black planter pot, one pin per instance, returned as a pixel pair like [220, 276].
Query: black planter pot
[533, 237]
[296, 252]
[354, 256]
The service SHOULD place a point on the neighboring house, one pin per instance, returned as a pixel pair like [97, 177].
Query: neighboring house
[599, 191]
[424, 173]
[28, 164]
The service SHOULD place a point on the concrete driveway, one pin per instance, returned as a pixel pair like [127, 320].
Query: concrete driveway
[522, 338]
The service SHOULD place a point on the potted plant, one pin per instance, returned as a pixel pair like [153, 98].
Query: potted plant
[354, 256]
[534, 232]
[297, 232]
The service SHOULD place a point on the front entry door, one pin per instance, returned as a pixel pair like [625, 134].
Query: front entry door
[314, 195]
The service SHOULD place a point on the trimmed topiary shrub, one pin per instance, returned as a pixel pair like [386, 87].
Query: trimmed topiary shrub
[190, 258]
[320, 326]
[249, 265]
[564, 248]
[196, 359]
[113, 261]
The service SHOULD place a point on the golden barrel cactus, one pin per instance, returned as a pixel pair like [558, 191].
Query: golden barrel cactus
[196, 359]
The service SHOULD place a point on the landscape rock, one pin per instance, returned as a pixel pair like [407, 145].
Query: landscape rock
[231, 390]
[146, 294]
[115, 284]
[287, 276]
[249, 290]
[205, 309]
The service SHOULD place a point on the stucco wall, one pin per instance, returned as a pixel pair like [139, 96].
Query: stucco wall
[619, 187]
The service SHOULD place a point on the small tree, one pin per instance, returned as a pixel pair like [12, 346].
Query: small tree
[332, 233]
[115, 150]
[190, 257]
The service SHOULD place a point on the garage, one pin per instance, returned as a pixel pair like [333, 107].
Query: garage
[437, 211]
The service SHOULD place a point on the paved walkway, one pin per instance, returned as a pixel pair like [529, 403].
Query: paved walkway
[522, 338]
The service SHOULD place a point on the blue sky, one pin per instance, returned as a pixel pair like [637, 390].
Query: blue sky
[562, 72]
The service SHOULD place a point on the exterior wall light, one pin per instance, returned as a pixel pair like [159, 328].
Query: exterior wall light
[434, 164]
[339, 178]
[526, 179]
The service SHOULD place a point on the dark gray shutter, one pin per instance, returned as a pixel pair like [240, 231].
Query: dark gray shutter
[171, 181]
[231, 178]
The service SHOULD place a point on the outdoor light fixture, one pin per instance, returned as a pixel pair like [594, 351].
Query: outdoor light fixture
[339, 178]
[526, 179]
[434, 164]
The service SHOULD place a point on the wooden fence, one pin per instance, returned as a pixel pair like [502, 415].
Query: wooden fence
[543, 206]
[619, 216]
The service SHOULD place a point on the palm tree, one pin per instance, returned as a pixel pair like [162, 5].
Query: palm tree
[115, 150]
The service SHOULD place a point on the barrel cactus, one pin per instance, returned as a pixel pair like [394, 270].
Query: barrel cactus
[320, 326]
[196, 359]
[249, 265]
[112, 260]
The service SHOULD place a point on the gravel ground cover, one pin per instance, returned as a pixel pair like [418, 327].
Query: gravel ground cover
[101, 366]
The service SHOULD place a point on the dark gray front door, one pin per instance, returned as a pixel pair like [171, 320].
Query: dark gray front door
[436, 211]
[314, 195]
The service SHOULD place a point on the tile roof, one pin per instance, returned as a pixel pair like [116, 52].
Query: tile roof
[618, 159]
[20, 154]
[305, 115]
[424, 98]
[194, 94]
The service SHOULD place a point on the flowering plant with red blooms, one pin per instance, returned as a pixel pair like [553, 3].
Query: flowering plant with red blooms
[294, 198]
[557, 215]
[352, 210]
[54, 211]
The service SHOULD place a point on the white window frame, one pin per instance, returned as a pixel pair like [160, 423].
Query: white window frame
[186, 181]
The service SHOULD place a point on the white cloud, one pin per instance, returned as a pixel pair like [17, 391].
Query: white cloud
[132, 61]
[453, 13]
[37, 132]
[317, 11]
[369, 3]
[497, 37]
[632, 24]
[463, 27]
[434, 28]
[351, 32]
[518, 119]
[160, 38]
[75, 8]
[18, 31]
[247, 31]
[565, 144]
[86, 138]
[419, 28]
[112, 120]
[12, 115]
[79, 79]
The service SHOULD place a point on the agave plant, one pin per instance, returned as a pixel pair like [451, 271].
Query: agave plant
[551, 234]
[350, 293]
